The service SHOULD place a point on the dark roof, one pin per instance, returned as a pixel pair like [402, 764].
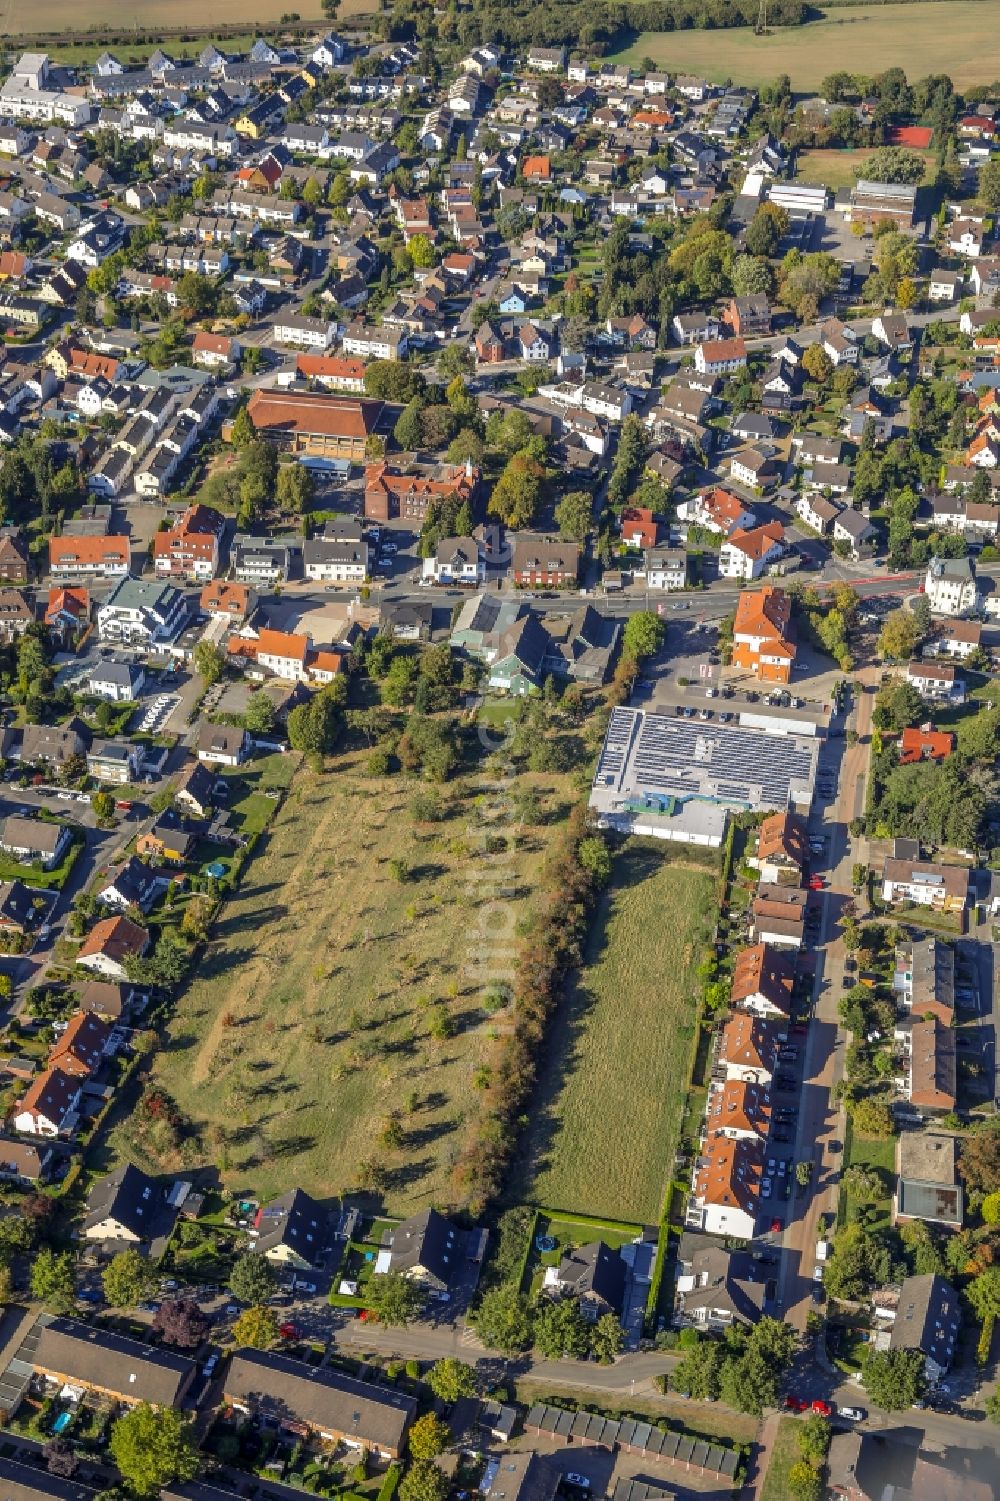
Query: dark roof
[28, 1483]
[523, 1476]
[113, 1362]
[430, 1241]
[595, 1269]
[128, 1196]
[928, 1317]
[294, 1220]
[324, 1399]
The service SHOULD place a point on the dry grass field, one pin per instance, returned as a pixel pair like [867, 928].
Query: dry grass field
[960, 38]
[21, 17]
[839, 169]
[337, 998]
[606, 1125]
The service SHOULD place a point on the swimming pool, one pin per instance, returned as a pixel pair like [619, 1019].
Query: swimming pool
[62, 1421]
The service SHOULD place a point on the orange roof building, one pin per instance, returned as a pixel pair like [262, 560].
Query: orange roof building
[925, 745]
[82, 1046]
[738, 1108]
[763, 639]
[639, 527]
[763, 979]
[389, 493]
[220, 597]
[190, 548]
[88, 557]
[327, 426]
[749, 1047]
[726, 1185]
[109, 944]
[336, 372]
[536, 169]
[68, 608]
[782, 846]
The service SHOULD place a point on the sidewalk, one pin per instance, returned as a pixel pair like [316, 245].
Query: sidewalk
[760, 1458]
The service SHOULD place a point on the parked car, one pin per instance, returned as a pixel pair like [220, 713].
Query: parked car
[824, 1409]
[852, 1414]
[796, 1404]
[571, 1478]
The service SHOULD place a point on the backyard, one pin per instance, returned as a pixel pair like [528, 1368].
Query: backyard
[606, 1125]
[922, 38]
[336, 1030]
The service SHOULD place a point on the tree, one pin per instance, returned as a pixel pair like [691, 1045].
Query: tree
[251, 1279]
[814, 1438]
[52, 1279]
[558, 1328]
[422, 252]
[817, 364]
[898, 705]
[899, 636]
[983, 1292]
[260, 715]
[989, 183]
[993, 1407]
[429, 1436]
[209, 662]
[294, 488]
[894, 1379]
[152, 1447]
[409, 431]
[629, 458]
[644, 635]
[892, 164]
[243, 431]
[450, 1379]
[394, 1298]
[872, 1116]
[805, 1483]
[181, 1322]
[517, 492]
[698, 1371]
[575, 515]
[607, 1339]
[803, 1173]
[314, 728]
[503, 1320]
[595, 858]
[103, 805]
[60, 1458]
[862, 1181]
[424, 1481]
[990, 1209]
[256, 1327]
[979, 1159]
[128, 1279]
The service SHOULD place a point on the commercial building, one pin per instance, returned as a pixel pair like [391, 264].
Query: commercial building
[323, 426]
[677, 779]
[763, 638]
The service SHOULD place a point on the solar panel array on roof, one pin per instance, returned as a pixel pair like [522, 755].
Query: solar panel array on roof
[646, 756]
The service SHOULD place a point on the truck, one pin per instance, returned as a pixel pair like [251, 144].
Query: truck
[822, 1250]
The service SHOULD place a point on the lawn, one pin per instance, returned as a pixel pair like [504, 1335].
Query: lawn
[605, 1128]
[784, 1454]
[308, 1026]
[21, 17]
[877, 1153]
[922, 38]
[839, 170]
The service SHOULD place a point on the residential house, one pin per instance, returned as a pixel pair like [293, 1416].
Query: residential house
[720, 356]
[748, 555]
[73, 557]
[945, 888]
[114, 762]
[930, 1082]
[50, 1105]
[950, 586]
[718, 511]
[936, 681]
[763, 980]
[543, 562]
[725, 1187]
[223, 744]
[954, 638]
[190, 548]
[749, 317]
[110, 944]
[778, 913]
[87, 1356]
[33, 841]
[83, 1046]
[928, 1187]
[430, 1250]
[24, 1162]
[928, 1318]
[456, 560]
[128, 1210]
[716, 1286]
[116, 681]
[594, 1274]
[142, 612]
[134, 885]
[321, 1400]
[755, 469]
[235, 601]
[666, 568]
[194, 788]
[292, 1230]
[748, 1049]
[763, 642]
[925, 744]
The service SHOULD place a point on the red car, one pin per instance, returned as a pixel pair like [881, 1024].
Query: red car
[815, 883]
[796, 1404]
[776, 1227]
[823, 1408]
[288, 1331]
